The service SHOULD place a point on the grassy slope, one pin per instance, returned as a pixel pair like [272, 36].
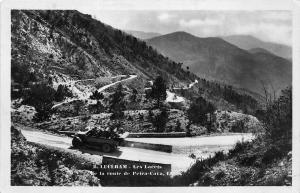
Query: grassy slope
[267, 160]
[248, 164]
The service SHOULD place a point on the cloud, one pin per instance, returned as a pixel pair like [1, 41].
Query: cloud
[165, 17]
[199, 22]
[275, 26]
[277, 16]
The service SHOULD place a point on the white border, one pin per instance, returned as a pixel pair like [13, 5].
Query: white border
[141, 5]
[296, 95]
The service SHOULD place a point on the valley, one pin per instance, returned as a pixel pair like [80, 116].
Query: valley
[216, 59]
[191, 105]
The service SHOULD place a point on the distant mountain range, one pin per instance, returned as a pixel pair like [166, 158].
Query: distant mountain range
[142, 35]
[215, 58]
[248, 42]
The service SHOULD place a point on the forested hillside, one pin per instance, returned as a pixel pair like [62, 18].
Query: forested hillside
[60, 46]
[216, 59]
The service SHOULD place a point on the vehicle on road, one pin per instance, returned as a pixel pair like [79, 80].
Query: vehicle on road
[105, 140]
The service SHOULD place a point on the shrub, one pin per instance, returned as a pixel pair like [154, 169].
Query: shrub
[271, 154]
[198, 170]
[247, 159]
[150, 116]
[36, 165]
[97, 108]
[278, 121]
[219, 155]
[96, 95]
[244, 177]
[220, 175]
[238, 127]
[239, 148]
[178, 126]
[160, 120]
[62, 92]
[21, 73]
[198, 111]
[207, 180]
[141, 117]
[133, 96]
[41, 97]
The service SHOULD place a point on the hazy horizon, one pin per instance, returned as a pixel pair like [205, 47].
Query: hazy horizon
[269, 26]
[202, 36]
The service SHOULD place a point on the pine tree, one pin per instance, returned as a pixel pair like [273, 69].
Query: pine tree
[158, 92]
[210, 110]
[96, 95]
[117, 103]
[160, 120]
[198, 111]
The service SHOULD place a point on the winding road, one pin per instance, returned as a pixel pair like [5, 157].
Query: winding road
[99, 90]
[112, 84]
[182, 147]
[178, 159]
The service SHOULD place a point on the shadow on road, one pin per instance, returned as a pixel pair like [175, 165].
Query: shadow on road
[116, 153]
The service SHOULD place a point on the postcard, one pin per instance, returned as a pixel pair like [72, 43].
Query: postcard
[149, 96]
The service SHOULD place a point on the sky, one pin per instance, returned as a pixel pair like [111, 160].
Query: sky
[272, 26]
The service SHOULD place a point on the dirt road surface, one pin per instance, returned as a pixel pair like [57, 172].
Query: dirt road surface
[179, 159]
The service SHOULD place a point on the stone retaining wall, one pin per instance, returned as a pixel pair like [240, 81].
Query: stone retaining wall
[157, 135]
[156, 147]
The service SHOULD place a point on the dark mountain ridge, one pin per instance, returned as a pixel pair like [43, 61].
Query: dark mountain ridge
[216, 59]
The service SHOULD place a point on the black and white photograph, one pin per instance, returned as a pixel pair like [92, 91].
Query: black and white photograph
[149, 97]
